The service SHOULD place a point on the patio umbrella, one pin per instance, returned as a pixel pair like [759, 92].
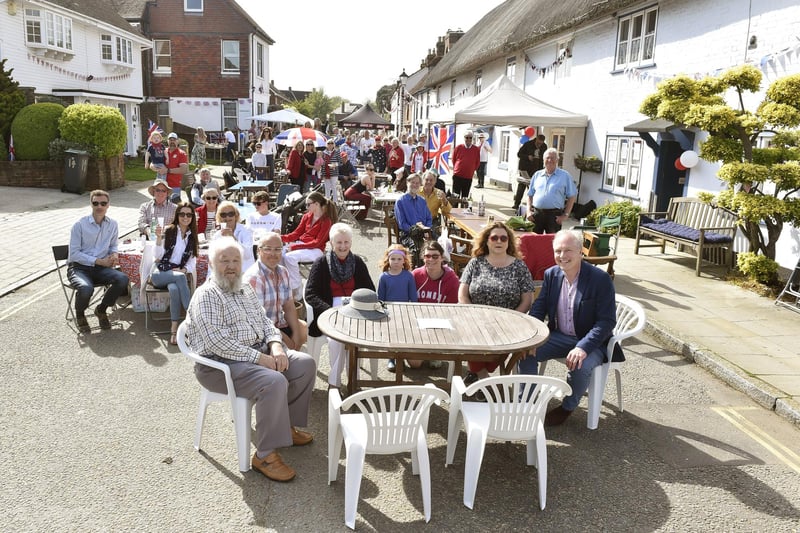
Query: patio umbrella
[287, 116]
[292, 136]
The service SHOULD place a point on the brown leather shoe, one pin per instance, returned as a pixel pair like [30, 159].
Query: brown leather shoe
[273, 467]
[301, 438]
[556, 417]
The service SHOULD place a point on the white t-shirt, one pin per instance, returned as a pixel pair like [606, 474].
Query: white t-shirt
[260, 224]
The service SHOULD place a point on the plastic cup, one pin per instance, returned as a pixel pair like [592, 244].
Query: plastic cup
[223, 225]
[160, 221]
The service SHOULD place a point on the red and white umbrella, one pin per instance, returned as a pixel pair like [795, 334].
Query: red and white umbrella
[292, 136]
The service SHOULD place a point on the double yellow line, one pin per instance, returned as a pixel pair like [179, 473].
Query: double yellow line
[16, 308]
[735, 417]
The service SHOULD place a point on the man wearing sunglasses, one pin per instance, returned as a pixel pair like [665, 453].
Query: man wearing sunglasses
[92, 258]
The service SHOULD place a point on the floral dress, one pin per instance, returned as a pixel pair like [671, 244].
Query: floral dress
[498, 287]
[199, 152]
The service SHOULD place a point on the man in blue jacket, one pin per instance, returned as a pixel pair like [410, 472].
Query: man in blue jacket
[578, 300]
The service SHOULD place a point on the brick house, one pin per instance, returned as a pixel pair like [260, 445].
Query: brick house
[209, 65]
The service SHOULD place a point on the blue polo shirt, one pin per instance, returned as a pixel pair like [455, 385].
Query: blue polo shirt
[412, 209]
[551, 192]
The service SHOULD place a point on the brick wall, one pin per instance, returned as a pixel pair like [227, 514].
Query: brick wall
[101, 174]
[196, 47]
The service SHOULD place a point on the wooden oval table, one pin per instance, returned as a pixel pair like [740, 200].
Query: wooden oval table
[444, 332]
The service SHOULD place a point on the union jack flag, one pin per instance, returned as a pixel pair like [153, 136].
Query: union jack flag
[440, 143]
[151, 127]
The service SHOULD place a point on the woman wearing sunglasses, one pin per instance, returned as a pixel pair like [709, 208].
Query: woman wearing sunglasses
[176, 256]
[228, 226]
[495, 276]
[207, 213]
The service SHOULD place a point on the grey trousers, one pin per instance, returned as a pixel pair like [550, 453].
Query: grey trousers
[281, 400]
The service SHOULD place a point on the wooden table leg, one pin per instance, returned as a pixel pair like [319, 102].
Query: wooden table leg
[352, 370]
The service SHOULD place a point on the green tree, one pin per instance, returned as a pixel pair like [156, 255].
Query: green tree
[317, 104]
[383, 98]
[99, 127]
[761, 182]
[11, 99]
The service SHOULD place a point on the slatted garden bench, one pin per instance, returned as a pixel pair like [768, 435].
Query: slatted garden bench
[692, 223]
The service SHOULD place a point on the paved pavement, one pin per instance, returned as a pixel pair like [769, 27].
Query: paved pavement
[740, 337]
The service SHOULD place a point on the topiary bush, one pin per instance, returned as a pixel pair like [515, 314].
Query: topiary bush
[98, 126]
[628, 211]
[758, 268]
[33, 128]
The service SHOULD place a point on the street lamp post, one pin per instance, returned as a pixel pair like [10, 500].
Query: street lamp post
[401, 85]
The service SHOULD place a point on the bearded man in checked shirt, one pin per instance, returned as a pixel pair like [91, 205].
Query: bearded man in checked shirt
[225, 322]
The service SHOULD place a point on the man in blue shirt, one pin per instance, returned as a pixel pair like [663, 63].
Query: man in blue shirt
[551, 195]
[92, 258]
[414, 219]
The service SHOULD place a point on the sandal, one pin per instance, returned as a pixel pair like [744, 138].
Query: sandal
[173, 338]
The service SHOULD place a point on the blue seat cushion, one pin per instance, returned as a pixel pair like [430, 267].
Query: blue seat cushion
[685, 232]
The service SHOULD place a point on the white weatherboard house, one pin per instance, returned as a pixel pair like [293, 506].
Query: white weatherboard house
[601, 59]
[76, 52]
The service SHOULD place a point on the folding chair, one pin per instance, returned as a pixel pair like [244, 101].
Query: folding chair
[347, 209]
[61, 258]
[146, 288]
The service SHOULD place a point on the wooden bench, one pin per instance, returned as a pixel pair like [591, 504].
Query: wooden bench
[691, 223]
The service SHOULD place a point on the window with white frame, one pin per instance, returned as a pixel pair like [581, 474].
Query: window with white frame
[116, 50]
[230, 56]
[558, 140]
[193, 6]
[511, 68]
[162, 56]
[163, 111]
[564, 59]
[636, 39]
[623, 165]
[124, 51]
[452, 92]
[106, 48]
[48, 29]
[505, 147]
[259, 60]
[229, 114]
[427, 104]
[259, 108]
[478, 82]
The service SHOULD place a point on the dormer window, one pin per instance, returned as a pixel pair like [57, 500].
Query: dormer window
[114, 49]
[193, 6]
[49, 31]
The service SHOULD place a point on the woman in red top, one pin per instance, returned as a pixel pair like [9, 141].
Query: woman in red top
[294, 164]
[396, 159]
[306, 243]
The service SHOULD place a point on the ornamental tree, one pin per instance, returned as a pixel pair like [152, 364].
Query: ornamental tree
[317, 104]
[761, 182]
[12, 99]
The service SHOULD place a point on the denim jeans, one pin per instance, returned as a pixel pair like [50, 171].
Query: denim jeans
[178, 287]
[84, 279]
[558, 346]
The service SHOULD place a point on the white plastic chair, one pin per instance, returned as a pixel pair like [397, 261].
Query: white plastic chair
[391, 420]
[514, 410]
[240, 407]
[630, 321]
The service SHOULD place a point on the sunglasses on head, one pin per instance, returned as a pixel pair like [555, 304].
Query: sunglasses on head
[96, 203]
[227, 214]
[501, 238]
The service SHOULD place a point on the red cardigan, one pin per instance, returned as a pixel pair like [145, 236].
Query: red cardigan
[202, 218]
[294, 165]
[310, 235]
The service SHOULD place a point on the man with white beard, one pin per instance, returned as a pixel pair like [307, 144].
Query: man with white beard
[225, 322]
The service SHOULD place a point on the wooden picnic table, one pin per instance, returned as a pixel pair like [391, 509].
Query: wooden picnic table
[444, 332]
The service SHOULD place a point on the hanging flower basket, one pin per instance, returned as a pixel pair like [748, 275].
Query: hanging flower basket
[589, 164]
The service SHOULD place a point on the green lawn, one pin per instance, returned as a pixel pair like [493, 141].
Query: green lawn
[135, 171]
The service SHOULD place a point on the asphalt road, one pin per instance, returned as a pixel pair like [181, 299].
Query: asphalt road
[97, 435]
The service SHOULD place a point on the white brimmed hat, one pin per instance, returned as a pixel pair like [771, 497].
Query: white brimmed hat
[364, 304]
[158, 181]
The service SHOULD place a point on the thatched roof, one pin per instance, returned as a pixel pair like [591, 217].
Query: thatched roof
[516, 25]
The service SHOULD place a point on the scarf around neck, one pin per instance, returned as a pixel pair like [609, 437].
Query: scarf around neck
[341, 271]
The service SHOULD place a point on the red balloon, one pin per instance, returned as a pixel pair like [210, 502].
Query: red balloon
[529, 131]
[679, 165]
